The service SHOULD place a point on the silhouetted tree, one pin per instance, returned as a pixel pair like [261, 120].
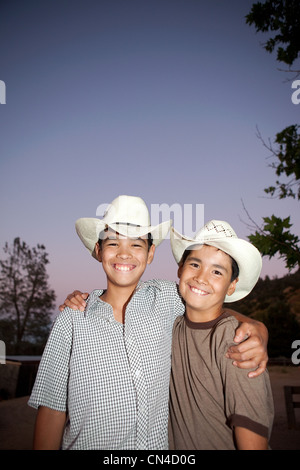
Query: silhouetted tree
[275, 302]
[26, 301]
[282, 18]
[283, 328]
[286, 163]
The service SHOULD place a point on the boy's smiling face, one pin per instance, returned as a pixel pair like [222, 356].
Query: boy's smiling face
[124, 259]
[205, 280]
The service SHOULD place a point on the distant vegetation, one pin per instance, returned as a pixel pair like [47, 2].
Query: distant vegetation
[26, 299]
[275, 302]
[279, 21]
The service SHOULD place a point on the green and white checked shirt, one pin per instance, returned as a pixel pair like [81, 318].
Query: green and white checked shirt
[112, 379]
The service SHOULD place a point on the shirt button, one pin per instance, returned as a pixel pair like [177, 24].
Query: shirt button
[137, 373]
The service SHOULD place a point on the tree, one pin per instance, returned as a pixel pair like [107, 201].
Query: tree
[282, 326]
[274, 237]
[276, 303]
[286, 162]
[282, 17]
[26, 301]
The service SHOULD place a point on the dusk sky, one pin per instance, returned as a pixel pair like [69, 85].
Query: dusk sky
[153, 98]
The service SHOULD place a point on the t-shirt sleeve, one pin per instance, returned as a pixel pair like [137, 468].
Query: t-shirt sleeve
[248, 402]
[51, 384]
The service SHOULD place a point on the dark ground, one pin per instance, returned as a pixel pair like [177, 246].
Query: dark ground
[17, 418]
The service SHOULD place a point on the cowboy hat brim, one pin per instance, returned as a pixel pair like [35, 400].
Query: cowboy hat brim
[89, 230]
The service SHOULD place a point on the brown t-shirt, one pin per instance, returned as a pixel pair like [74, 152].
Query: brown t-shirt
[208, 395]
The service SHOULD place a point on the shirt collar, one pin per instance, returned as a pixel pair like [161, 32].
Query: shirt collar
[147, 284]
[93, 298]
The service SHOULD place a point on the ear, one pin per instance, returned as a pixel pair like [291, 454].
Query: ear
[179, 271]
[151, 254]
[231, 288]
[98, 252]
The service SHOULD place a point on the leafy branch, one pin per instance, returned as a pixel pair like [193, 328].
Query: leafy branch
[274, 237]
[287, 162]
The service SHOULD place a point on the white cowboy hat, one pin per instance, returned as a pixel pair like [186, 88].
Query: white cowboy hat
[221, 235]
[127, 215]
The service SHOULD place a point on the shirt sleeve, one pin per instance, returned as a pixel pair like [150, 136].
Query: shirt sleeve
[170, 299]
[51, 384]
[248, 402]
[179, 307]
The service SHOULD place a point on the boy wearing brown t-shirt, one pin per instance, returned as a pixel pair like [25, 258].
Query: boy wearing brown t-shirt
[212, 404]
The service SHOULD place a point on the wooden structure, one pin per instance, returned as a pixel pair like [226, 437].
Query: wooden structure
[291, 402]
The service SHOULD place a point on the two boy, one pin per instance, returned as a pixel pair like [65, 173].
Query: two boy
[103, 381]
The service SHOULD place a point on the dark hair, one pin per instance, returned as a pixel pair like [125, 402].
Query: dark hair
[235, 269]
[150, 240]
[234, 265]
[101, 238]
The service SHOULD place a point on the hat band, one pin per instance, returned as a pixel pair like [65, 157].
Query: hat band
[125, 228]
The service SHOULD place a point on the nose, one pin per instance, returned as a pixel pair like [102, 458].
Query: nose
[123, 252]
[201, 277]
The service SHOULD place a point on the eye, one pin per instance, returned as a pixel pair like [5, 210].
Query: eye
[138, 244]
[194, 265]
[218, 273]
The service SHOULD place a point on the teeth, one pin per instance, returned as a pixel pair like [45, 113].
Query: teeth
[198, 291]
[123, 267]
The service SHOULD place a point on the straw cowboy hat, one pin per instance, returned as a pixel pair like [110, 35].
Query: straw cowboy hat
[221, 235]
[127, 215]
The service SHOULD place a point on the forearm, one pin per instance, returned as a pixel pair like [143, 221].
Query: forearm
[251, 351]
[249, 440]
[49, 428]
[244, 319]
[239, 316]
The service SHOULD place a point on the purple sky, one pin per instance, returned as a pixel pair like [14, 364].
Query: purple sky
[154, 98]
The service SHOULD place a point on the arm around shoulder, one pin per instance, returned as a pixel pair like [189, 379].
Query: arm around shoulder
[250, 353]
[76, 301]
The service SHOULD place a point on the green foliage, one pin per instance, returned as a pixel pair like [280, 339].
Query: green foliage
[275, 302]
[283, 329]
[276, 238]
[283, 18]
[26, 301]
[287, 163]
